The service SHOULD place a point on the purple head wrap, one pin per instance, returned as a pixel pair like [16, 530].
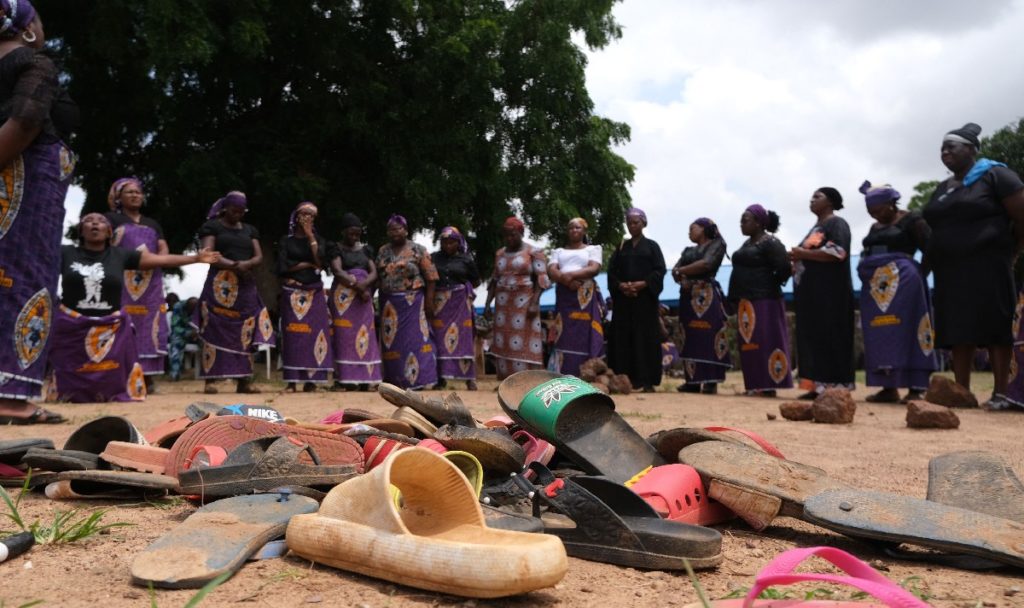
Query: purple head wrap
[293, 219]
[231, 199]
[704, 222]
[635, 212]
[451, 232]
[113, 197]
[398, 219]
[15, 15]
[877, 196]
[760, 214]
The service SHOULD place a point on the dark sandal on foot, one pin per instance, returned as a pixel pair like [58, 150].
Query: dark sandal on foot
[39, 416]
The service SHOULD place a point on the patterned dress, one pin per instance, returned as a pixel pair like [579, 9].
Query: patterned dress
[409, 359]
[518, 340]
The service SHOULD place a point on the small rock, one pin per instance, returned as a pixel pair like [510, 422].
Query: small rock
[770, 416]
[639, 593]
[314, 599]
[943, 391]
[750, 544]
[592, 368]
[879, 565]
[601, 387]
[586, 590]
[797, 410]
[989, 604]
[834, 406]
[620, 385]
[1011, 591]
[132, 595]
[924, 415]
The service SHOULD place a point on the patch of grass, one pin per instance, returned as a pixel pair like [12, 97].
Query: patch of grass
[65, 527]
[917, 586]
[25, 605]
[288, 574]
[207, 589]
[641, 415]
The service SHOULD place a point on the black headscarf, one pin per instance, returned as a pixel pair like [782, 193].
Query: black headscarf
[833, 196]
[966, 134]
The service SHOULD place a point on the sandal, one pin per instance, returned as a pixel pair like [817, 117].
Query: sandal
[886, 395]
[912, 396]
[39, 416]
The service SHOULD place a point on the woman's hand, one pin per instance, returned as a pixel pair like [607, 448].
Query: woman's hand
[796, 254]
[207, 256]
[306, 223]
[574, 284]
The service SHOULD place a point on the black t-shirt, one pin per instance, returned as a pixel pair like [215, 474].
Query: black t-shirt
[296, 249]
[352, 258]
[759, 270]
[232, 243]
[91, 281]
[906, 235]
[455, 269]
[119, 219]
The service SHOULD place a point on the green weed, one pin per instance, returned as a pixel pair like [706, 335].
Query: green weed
[641, 415]
[198, 597]
[65, 527]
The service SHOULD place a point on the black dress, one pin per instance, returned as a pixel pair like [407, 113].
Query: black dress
[294, 250]
[759, 270]
[634, 337]
[971, 252]
[823, 301]
[908, 235]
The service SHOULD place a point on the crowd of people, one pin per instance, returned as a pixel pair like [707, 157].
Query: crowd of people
[107, 335]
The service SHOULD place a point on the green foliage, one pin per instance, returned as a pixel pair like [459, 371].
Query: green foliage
[922, 194]
[65, 527]
[195, 600]
[448, 112]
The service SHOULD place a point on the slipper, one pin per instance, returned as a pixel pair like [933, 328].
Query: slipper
[668, 443]
[164, 434]
[756, 486]
[93, 436]
[880, 397]
[201, 410]
[11, 450]
[677, 493]
[579, 420]
[497, 452]
[437, 539]
[470, 467]
[433, 445]
[15, 477]
[346, 415]
[261, 465]
[506, 520]
[255, 411]
[116, 485]
[498, 421]
[378, 447]
[782, 571]
[445, 410]
[419, 424]
[389, 425]
[537, 450]
[135, 457]
[614, 525]
[216, 539]
[901, 519]
[60, 460]
[977, 481]
[38, 416]
[229, 432]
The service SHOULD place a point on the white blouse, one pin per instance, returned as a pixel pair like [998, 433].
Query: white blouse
[570, 260]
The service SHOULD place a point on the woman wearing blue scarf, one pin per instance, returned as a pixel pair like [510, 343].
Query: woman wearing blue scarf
[977, 222]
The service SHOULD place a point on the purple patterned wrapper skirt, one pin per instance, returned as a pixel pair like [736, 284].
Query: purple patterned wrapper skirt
[94, 358]
[409, 360]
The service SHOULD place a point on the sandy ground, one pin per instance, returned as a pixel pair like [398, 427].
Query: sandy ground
[876, 452]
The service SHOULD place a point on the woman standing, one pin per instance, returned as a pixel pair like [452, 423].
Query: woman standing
[37, 117]
[579, 305]
[823, 299]
[899, 348]
[452, 327]
[636, 273]
[94, 353]
[760, 267]
[520, 275]
[182, 334]
[305, 322]
[231, 318]
[356, 350]
[702, 315]
[977, 222]
[407, 278]
[143, 295]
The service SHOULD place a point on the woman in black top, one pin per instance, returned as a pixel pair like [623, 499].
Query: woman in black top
[760, 268]
[702, 316]
[977, 222]
[899, 346]
[37, 119]
[823, 298]
[94, 355]
[305, 321]
[452, 325]
[231, 318]
[636, 273]
[356, 349]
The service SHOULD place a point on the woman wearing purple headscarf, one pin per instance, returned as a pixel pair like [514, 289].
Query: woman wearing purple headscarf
[702, 316]
[231, 318]
[305, 321]
[36, 118]
[94, 355]
[899, 346]
[452, 326]
[823, 298]
[760, 267]
[143, 297]
[579, 304]
[636, 273]
[407, 278]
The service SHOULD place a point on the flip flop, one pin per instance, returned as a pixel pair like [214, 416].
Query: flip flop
[11, 450]
[229, 432]
[414, 419]
[164, 434]
[537, 450]
[201, 410]
[115, 485]
[436, 540]
[579, 420]
[977, 481]
[668, 443]
[497, 452]
[755, 485]
[445, 410]
[676, 492]
[261, 465]
[38, 416]
[216, 539]
[135, 457]
[60, 460]
[347, 415]
[782, 571]
[389, 425]
[611, 524]
[93, 436]
[254, 411]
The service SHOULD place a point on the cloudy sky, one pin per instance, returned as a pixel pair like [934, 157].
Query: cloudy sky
[733, 102]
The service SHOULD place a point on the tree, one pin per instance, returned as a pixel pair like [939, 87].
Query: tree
[445, 111]
[922, 194]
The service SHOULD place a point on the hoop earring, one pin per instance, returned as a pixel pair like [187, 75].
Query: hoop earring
[28, 36]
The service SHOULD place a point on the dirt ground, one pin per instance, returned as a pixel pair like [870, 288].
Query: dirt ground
[876, 452]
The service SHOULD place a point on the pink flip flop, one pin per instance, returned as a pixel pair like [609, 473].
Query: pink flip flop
[676, 492]
[537, 450]
[761, 442]
[781, 571]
